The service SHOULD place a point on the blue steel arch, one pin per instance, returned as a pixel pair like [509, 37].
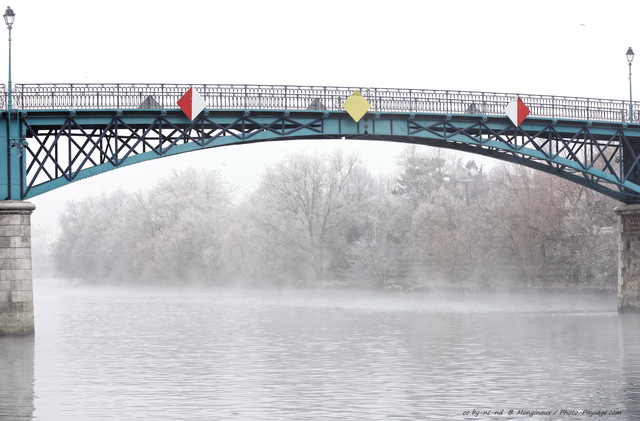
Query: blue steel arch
[54, 145]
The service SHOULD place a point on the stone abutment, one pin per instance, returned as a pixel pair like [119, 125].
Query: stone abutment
[628, 257]
[16, 283]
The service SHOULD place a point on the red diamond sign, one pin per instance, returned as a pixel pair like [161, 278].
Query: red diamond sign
[191, 103]
[517, 111]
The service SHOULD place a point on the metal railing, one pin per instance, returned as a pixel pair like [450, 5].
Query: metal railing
[293, 98]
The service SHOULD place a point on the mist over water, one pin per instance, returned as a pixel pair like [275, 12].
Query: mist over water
[310, 355]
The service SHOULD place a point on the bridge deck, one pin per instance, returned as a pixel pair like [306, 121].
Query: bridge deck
[297, 98]
[66, 132]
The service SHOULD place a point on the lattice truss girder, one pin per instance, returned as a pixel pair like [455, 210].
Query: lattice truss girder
[600, 157]
[585, 154]
[63, 151]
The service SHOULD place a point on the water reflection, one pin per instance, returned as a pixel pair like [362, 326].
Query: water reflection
[630, 349]
[247, 355]
[16, 377]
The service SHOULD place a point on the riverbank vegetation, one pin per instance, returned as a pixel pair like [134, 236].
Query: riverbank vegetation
[441, 221]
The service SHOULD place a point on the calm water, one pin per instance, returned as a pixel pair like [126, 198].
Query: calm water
[232, 355]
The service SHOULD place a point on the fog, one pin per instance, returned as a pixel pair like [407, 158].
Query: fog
[439, 221]
[306, 354]
[328, 291]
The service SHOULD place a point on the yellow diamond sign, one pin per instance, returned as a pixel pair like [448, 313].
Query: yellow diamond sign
[356, 105]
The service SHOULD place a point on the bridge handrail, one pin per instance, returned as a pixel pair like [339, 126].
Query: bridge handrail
[49, 96]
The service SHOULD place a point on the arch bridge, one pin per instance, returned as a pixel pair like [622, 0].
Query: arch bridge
[55, 134]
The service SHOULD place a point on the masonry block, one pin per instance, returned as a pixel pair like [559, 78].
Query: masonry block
[628, 257]
[16, 283]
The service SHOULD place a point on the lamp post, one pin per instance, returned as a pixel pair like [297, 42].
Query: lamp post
[630, 60]
[9, 17]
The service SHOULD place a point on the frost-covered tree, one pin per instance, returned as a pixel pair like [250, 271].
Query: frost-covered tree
[170, 234]
[303, 206]
[425, 172]
[589, 242]
[380, 253]
[441, 222]
[438, 189]
[185, 215]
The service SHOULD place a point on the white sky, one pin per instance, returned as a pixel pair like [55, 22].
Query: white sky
[560, 47]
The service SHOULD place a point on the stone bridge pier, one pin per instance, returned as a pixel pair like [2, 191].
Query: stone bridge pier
[628, 257]
[16, 283]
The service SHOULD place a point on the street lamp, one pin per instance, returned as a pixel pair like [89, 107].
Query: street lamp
[630, 60]
[9, 17]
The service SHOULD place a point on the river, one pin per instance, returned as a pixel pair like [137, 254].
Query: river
[115, 354]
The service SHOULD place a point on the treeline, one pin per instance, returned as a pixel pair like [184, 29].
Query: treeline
[323, 219]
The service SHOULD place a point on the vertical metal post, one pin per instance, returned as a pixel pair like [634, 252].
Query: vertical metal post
[10, 94]
[630, 60]
[630, 97]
